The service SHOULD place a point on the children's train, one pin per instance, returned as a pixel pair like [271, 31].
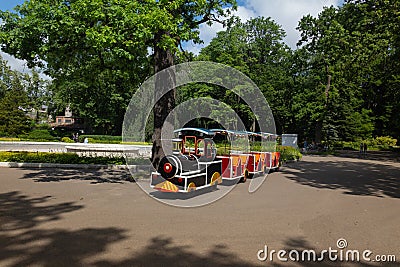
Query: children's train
[203, 158]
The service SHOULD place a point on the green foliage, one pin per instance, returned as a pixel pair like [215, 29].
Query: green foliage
[91, 140]
[102, 139]
[255, 48]
[8, 139]
[349, 61]
[97, 52]
[43, 126]
[40, 135]
[19, 95]
[341, 85]
[67, 140]
[383, 142]
[345, 145]
[13, 120]
[65, 158]
[377, 143]
[289, 153]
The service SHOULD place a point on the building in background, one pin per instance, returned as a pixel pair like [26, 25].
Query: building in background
[68, 122]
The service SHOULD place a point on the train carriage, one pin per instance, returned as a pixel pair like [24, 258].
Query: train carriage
[255, 155]
[266, 159]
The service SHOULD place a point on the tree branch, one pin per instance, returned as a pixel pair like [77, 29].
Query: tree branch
[184, 51]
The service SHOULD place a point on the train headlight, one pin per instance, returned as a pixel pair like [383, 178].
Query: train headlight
[169, 166]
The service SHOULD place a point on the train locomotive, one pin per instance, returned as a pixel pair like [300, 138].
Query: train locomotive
[194, 163]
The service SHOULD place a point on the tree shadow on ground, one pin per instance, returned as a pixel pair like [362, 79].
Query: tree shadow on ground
[56, 247]
[387, 156]
[17, 211]
[356, 178]
[96, 176]
[162, 251]
[25, 243]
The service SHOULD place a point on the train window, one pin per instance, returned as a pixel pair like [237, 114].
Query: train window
[177, 146]
[190, 142]
[201, 148]
[211, 150]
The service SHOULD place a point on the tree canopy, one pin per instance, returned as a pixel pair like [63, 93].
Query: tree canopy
[341, 83]
[97, 51]
[19, 93]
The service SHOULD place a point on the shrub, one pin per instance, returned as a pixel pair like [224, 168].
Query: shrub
[288, 153]
[42, 126]
[91, 140]
[346, 145]
[382, 142]
[102, 139]
[9, 139]
[65, 158]
[40, 135]
[67, 140]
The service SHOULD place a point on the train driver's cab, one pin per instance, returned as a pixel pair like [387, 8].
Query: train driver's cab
[195, 143]
[206, 150]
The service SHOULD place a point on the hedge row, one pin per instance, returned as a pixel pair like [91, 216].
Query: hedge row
[101, 139]
[65, 158]
[378, 143]
[38, 135]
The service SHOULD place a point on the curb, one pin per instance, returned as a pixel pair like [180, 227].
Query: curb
[133, 168]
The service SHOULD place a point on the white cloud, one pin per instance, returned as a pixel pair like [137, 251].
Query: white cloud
[14, 63]
[207, 33]
[286, 13]
[244, 13]
[19, 65]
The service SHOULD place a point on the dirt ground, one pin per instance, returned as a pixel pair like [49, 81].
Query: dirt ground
[65, 217]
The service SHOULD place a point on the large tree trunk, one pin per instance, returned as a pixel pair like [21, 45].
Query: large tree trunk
[318, 132]
[163, 59]
[319, 127]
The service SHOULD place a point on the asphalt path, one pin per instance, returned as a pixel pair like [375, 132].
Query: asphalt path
[66, 217]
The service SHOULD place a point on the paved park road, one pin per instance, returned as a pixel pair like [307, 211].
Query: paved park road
[51, 217]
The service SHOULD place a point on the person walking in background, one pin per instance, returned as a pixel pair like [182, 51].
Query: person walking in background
[365, 148]
[361, 150]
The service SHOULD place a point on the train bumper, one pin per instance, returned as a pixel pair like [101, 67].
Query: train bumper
[166, 187]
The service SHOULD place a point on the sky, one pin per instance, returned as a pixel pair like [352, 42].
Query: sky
[15, 64]
[286, 13]
[9, 4]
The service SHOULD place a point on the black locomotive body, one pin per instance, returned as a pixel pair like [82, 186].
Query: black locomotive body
[193, 164]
